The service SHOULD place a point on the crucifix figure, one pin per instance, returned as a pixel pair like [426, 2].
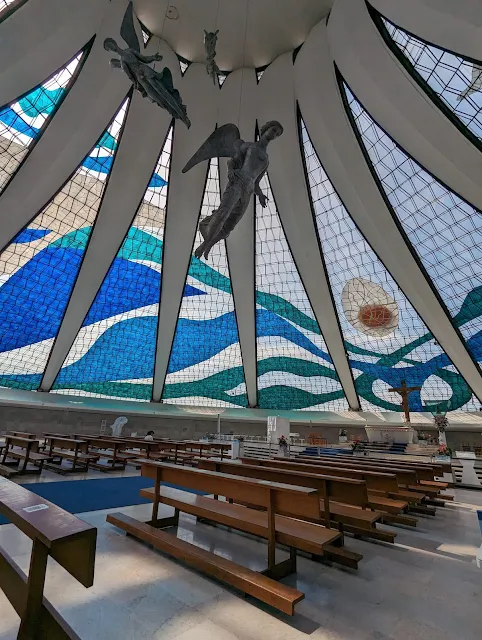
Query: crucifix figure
[404, 391]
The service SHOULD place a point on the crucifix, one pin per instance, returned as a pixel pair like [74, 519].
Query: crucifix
[404, 391]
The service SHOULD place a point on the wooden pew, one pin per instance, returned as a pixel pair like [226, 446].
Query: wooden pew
[18, 449]
[336, 494]
[380, 486]
[21, 434]
[424, 472]
[75, 451]
[56, 533]
[112, 451]
[270, 525]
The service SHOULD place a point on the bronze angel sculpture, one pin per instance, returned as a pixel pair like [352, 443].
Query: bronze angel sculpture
[158, 87]
[247, 165]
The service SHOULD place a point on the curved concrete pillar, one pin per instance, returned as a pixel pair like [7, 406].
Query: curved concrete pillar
[287, 177]
[338, 149]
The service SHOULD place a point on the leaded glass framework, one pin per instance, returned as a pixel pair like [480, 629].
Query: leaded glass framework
[39, 268]
[206, 367]
[385, 338]
[114, 352]
[452, 80]
[295, 370]
[23, 122]
[444, 230]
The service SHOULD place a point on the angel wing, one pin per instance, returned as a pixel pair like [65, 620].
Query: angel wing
[222, 143]
[128, 30]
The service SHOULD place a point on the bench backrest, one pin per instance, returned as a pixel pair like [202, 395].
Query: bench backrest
[21, 434]
[67, 444]
[282, 498]
[22, 443]
[374, 480]
[340, 489]
[70, 541]
[424, 471]
[404, 476]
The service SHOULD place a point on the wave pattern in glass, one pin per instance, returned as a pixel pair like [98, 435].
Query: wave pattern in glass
[379, 362]
[38, 269]
[205, 367]
[114, 352]
[455, 80]
[295, 370]
[23, 122]
[445, 231]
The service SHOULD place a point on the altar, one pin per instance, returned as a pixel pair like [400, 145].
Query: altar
[395, 435]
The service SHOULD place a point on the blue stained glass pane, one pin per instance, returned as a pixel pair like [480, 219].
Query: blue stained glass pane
[445, 231]
[385, 338]
[295, 370]
[455, 80]
[205, 367]
[38, 271]
[25, 120]
[114, 352]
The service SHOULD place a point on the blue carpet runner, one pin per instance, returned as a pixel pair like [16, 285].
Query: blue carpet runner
[79, 496]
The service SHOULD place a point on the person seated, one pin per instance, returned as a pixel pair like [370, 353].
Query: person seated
[149, 436]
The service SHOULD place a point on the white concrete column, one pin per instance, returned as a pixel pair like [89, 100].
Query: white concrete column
[398, 104]
[338, 149]
[237, 103]
[287, 177]
[183, 207]
[84, 114]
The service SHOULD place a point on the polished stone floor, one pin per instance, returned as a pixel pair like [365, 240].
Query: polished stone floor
[425, 587]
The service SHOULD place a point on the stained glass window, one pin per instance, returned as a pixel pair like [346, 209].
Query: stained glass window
[146, 34]
[38, 269]
[23, 122]
[295, 370]
[205, 367]
[454, 79]
[385, 338]
[445, 231]
[114, 352]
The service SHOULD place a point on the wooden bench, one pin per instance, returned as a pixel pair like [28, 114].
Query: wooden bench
[18, 449]
[56, 533]
[405, 478]
[380, 486]
[21, 434]
[344, 502]
[75, 451]
[112, 451]
[263, 494]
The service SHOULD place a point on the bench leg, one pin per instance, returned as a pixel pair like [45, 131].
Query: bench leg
[162, 523]
[282, 569]
[35, 588]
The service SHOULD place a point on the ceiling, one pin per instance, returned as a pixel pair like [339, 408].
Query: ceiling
[252, 33]
[362, 273]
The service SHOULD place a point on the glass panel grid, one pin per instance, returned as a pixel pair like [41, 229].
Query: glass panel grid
[454, 79]
[39, 268]
[205, 367]
[113, 355]
[385, 338]
[24, 121]
[295, 370]
[445, 231]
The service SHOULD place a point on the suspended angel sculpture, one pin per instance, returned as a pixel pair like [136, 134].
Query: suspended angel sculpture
[158, 87]
[210, 40]
[247, 165]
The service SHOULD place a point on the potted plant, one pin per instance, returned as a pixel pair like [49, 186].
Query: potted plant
[357, 447]
[283, 446]
[342, 435]
[444, 452]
